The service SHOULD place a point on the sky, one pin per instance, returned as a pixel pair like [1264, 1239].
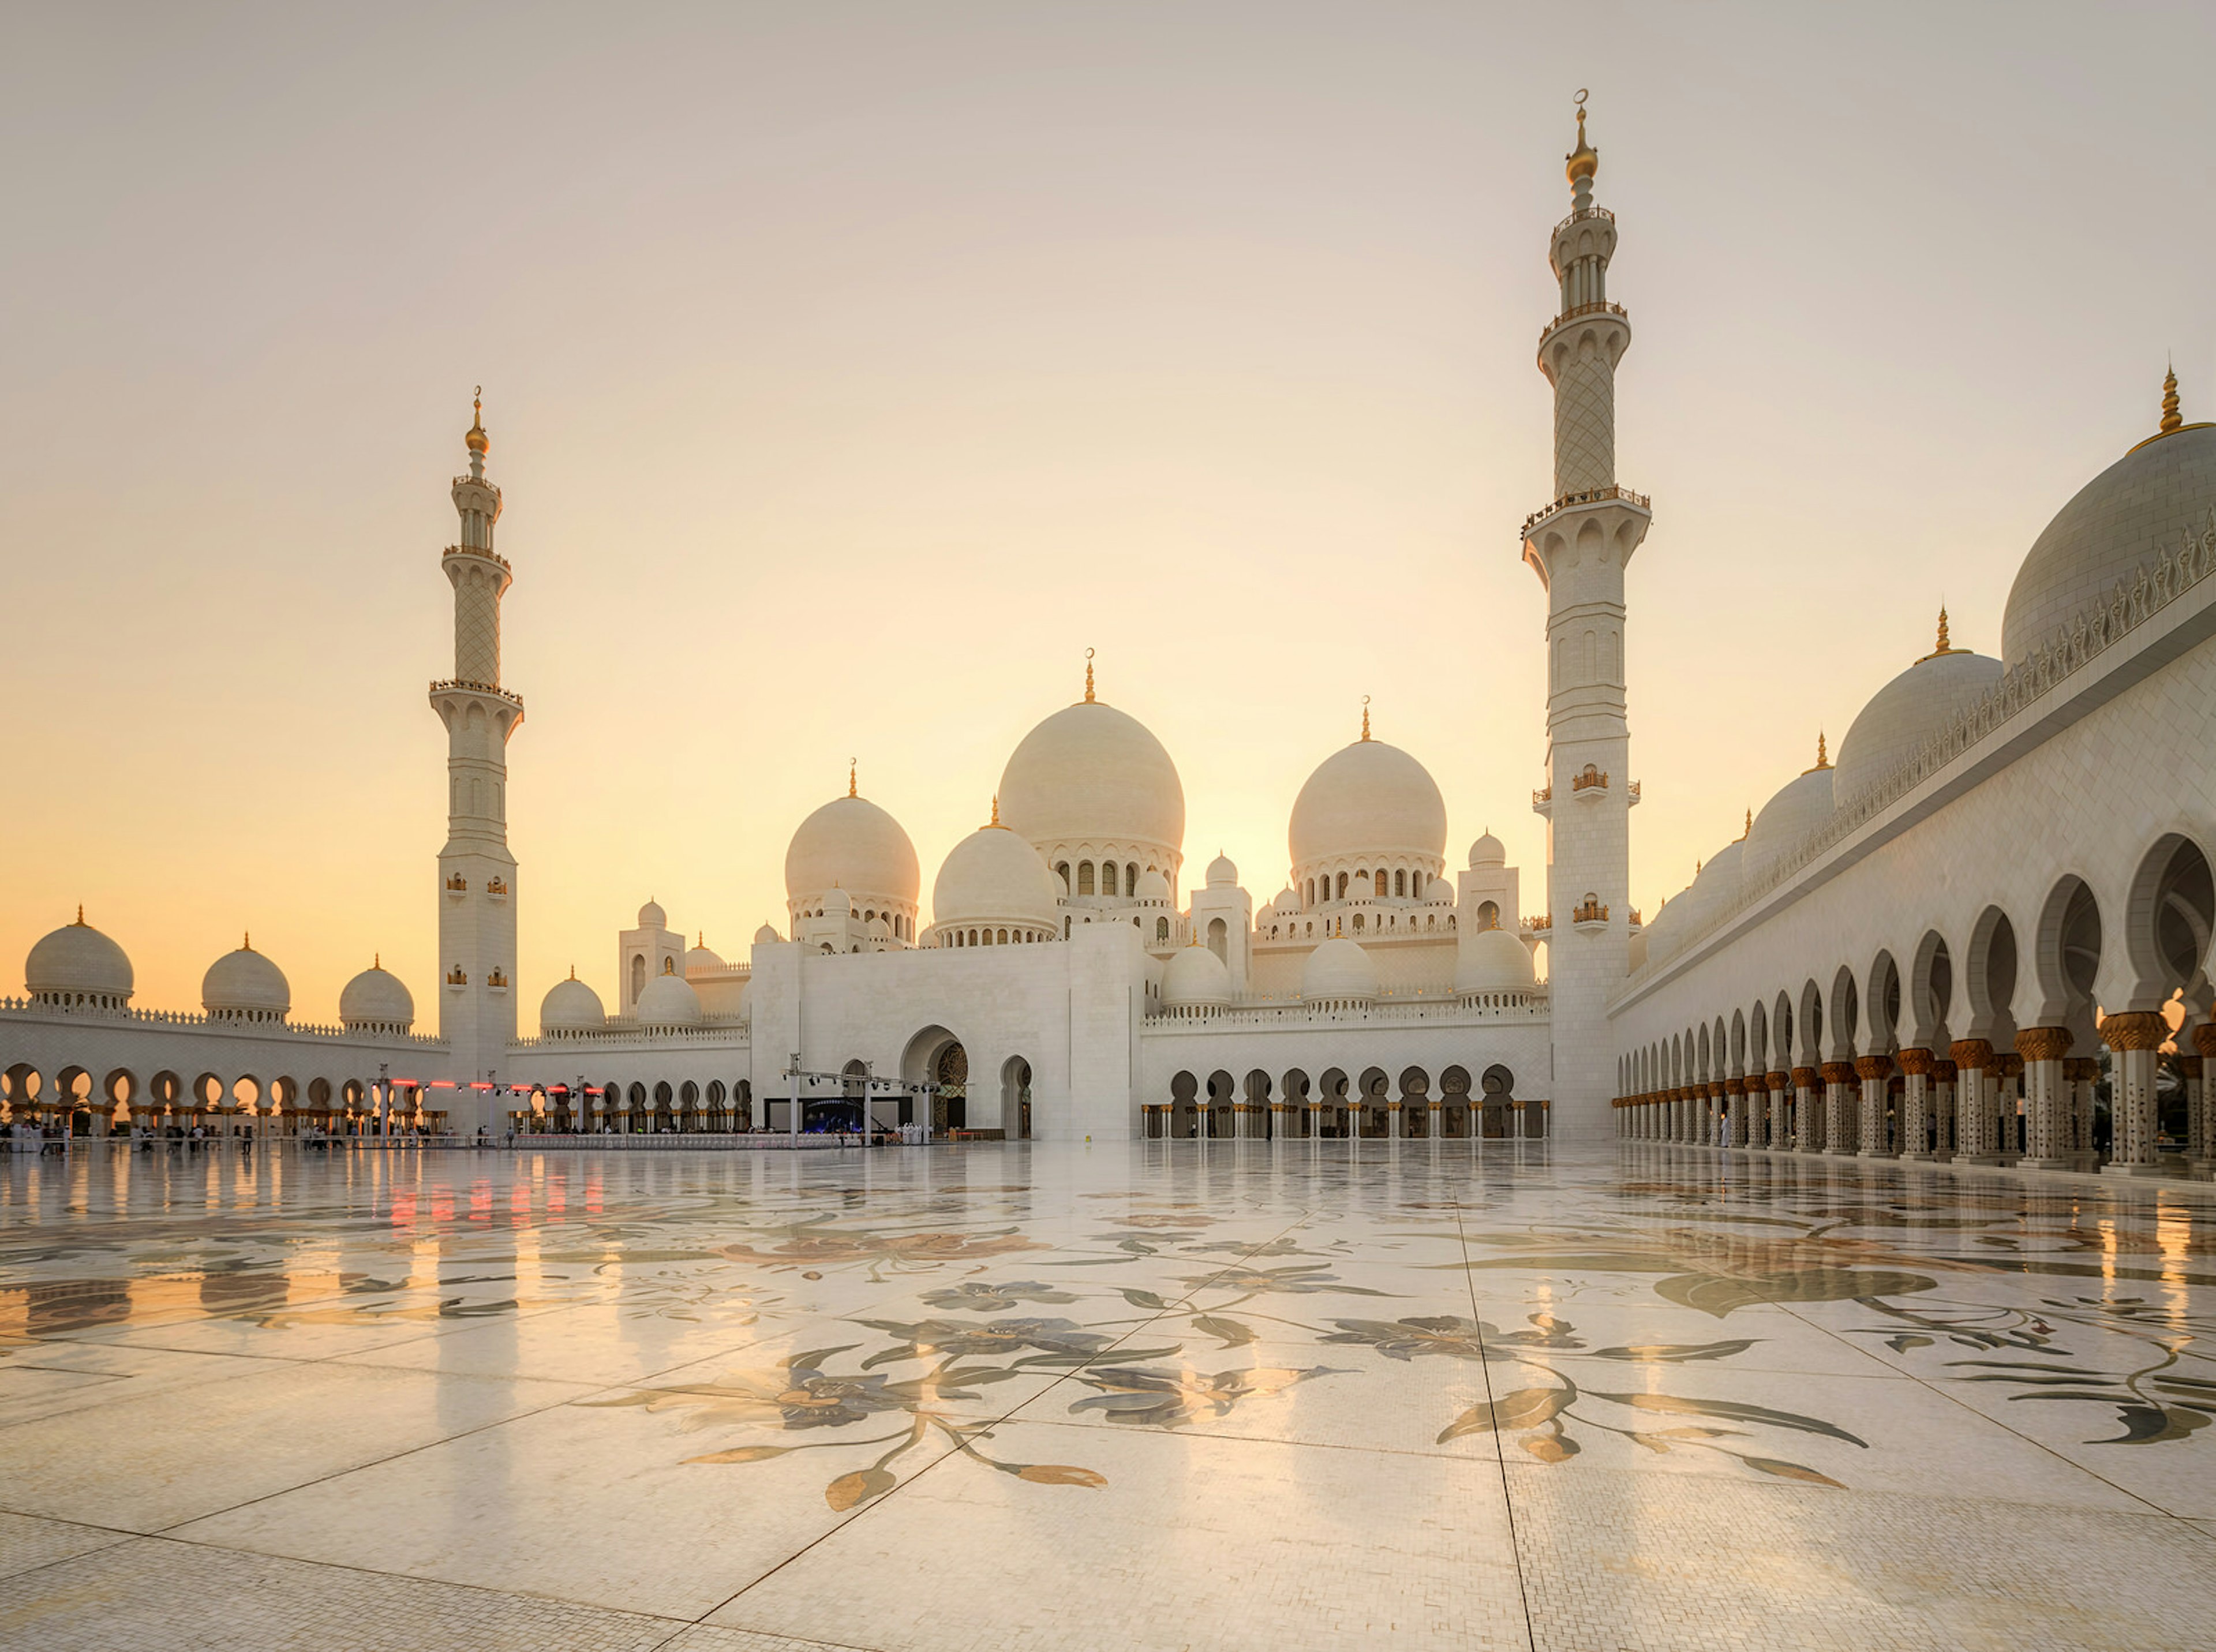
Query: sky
[851, 369]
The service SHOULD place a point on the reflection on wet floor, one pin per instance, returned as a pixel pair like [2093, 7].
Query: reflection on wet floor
[1426, 1392]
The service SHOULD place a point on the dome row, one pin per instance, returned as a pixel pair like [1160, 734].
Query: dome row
[2123, 519]
[76, 965]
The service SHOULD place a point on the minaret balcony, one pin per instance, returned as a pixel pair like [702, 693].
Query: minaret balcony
[457, 979]
[1589, 785]
[492, 556]
[1631, 801]
[1590, 917]
[497, 889]
[1539, 928]
[1598, 307]
[1543, 803]
[496, 983]
[1587, 496]
[457, 886]
[1582, 214]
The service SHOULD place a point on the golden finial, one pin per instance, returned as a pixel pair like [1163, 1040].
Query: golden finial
[1748, 827]
[1088, 677]
[703, 940]
[476, 440]
[247, 944]
[853, 767]
[1583, 161]
[1944, 646]
[80, 914]
[1696, 869]
[1365, 716]
[376, 961]
[572, 972]
[1823, 758]
[995, 821]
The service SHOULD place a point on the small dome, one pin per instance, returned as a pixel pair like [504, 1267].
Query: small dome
[1487, 852]
[1092, 772]
[1800, 807]
[245, 983]
[850, 843]
[1907, 712]
[1287, 901]
[668, 1001]
[880, 930]
[1195, 977]
[651, 916]
[836, 903]
[2131, 514]
[1364, 800]
[77, 958]
[571, 1006]
[995, 876]
[1492, 961]
[1338, 970]
[767, 935]
[376, 998]
[1221, 873]
[1153, 886]
[703, 958]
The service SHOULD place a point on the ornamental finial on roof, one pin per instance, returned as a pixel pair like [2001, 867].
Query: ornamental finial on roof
[2172, 418]
[995, 821]
[1365, 716]
[1088, 677]
[80, 914]
[477, 441]
[1583, 162]
[853, 767]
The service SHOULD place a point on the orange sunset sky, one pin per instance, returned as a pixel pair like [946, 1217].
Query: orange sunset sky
[851, 369]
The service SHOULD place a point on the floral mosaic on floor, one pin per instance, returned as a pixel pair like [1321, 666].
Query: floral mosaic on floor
[1007, 1316]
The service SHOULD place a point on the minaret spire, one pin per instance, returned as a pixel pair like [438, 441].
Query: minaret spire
[1580, 544]
[477, 873]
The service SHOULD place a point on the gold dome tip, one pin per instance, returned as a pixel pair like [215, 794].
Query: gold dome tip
[1365, 716]
[476, 440]
[2171, 419]
[376, 961]
[853, 766]
[1583, 162]
[1823, 758]
[80, 914]
[572, 972]
[995, 821]
[1088, 677]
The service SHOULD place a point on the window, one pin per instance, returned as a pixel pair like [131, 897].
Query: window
[1399, 883]
[1161, 931]
[1085, 877]
[1061, 871]
[1131, 879]
[1342, 886]
[1108, 877]
[637, 974]
[1219, 939]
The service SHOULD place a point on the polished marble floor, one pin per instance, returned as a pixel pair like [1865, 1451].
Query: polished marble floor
[1173, 1395]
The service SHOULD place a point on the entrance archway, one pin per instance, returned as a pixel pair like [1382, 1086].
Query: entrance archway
[1016, 1098]
[935, 1056]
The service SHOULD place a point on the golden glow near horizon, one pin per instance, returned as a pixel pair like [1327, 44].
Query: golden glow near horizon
[852, 375]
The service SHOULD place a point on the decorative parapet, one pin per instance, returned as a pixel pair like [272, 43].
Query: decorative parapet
[200, 1022]
[457, 884]
[1592, 779]
[2097, 627]
[497, 887]
[1589, 911]
[625, 1033]
[457, 976]
[1584, 213]
[1443, 1009]
[1598, 307]
[1588, 496]
[476, 550]
[1539, 925]
[463, 685]
[1631, 793]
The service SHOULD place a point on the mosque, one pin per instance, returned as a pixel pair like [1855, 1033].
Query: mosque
[1983, 934]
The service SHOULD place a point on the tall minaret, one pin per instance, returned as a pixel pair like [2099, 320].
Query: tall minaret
[476, 874]
[1579, 545]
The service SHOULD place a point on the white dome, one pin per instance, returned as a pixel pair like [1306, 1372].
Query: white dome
[668, 1001]
[1488, 851]
[993, 876]
[1195, 977]
[1090, 773]
[1715, 889]
[1800, 807]
[376, 998]
[1338, 970]
[1221, 873]
[651, 916]
[702, 959]
[2131, 514]
[245, 983]
[571, 1006]
[77, 958]
[850, 843]
[1907, 712]
[1153, 886]
[1493, 960]
[767, 935]
[1364, 800]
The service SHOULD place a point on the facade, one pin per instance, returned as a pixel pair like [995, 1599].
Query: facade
[1982, 934]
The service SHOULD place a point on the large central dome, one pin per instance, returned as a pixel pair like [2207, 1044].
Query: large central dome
[1089, 773]
[1365, 800]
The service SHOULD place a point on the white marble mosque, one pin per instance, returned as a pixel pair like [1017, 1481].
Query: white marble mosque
[1983, 934]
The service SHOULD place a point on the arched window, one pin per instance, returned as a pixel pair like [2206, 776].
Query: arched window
[1131, 878]
[1219, 939]
[1488, 915]
[1357, 923]
[1085, 877]
[1342, 886]
[1061, 871]
[1108, 877]
[1004, 937]
[1161, 931]
[637, 974]
[1399, 883]
[1309, 899]
[1377, 884]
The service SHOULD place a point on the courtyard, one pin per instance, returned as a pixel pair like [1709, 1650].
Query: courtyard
[1161, 1395]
